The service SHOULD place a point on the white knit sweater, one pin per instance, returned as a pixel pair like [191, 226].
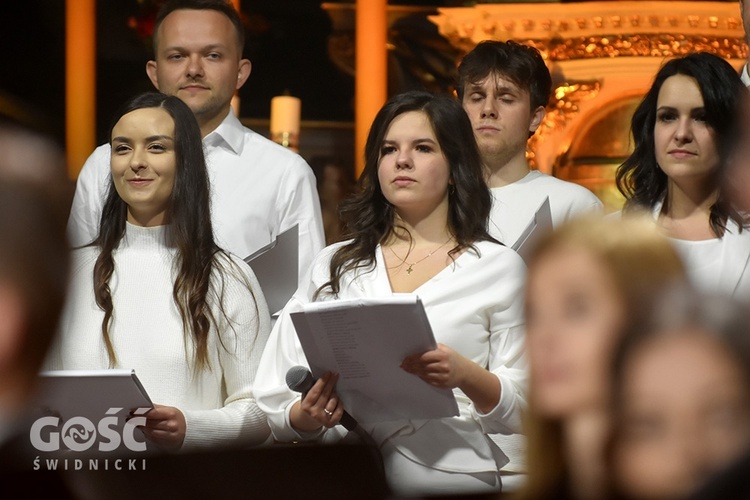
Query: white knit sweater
[147, 334]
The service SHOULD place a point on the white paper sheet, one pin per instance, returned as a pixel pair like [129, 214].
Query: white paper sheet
[365, 341]
[540, 225]
[275, 265]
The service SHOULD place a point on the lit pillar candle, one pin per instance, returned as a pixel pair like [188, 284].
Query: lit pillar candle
[285, 118]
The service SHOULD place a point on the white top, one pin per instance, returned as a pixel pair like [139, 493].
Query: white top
[514, 205]
[259, 190]
[719, 265]
[700, 258]
[475, 306]
[147, 335]
[744, 76]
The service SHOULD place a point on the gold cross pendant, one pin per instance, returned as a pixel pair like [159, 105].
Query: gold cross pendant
[408, 269]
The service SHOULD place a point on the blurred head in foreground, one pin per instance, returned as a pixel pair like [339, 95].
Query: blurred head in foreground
[586, 281]
[681, 396]
[33, 280]
[28, 155]
[737, 179]
[32, 157]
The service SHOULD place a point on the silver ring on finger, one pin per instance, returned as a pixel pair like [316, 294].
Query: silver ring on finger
[328, 412]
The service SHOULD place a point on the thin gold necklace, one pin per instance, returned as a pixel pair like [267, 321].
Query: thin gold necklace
[410, 268]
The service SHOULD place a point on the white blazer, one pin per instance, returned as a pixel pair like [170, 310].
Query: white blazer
[475, 306]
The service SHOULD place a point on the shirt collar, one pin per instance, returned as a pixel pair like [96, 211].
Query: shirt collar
[230, 133]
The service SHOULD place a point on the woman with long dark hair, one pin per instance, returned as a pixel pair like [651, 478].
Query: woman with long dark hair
[684, 131]
[154, 292]
[418, 225]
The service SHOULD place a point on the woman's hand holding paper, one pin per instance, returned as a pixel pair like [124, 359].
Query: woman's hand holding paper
[445, 368]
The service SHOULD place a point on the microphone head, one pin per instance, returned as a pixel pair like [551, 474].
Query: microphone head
[299, 379]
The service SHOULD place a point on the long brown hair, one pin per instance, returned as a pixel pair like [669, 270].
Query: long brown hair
[189, 230]
[370, 218]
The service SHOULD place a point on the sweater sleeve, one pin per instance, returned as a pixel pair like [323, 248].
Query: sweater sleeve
[244, 323]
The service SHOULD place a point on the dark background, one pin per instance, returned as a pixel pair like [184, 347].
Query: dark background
[286, 42]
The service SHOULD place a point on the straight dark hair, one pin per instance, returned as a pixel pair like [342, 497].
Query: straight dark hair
[640, 179]
[521, 64]
[189, 228]
[369, 217]
[221, 6]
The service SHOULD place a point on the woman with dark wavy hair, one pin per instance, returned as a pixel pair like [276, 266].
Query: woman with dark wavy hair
[166, 300]
[684, 132]
[418, 225]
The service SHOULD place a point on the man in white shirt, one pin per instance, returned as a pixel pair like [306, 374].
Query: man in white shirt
[504, 88]
[745, 13]
[259, 188]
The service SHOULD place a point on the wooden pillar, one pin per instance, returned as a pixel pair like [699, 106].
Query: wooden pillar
[80, 82]
[371, 71]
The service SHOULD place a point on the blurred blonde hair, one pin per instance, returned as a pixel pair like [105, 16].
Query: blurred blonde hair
[641, 262]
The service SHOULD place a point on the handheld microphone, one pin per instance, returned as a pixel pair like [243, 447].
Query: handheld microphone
[299, 379]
